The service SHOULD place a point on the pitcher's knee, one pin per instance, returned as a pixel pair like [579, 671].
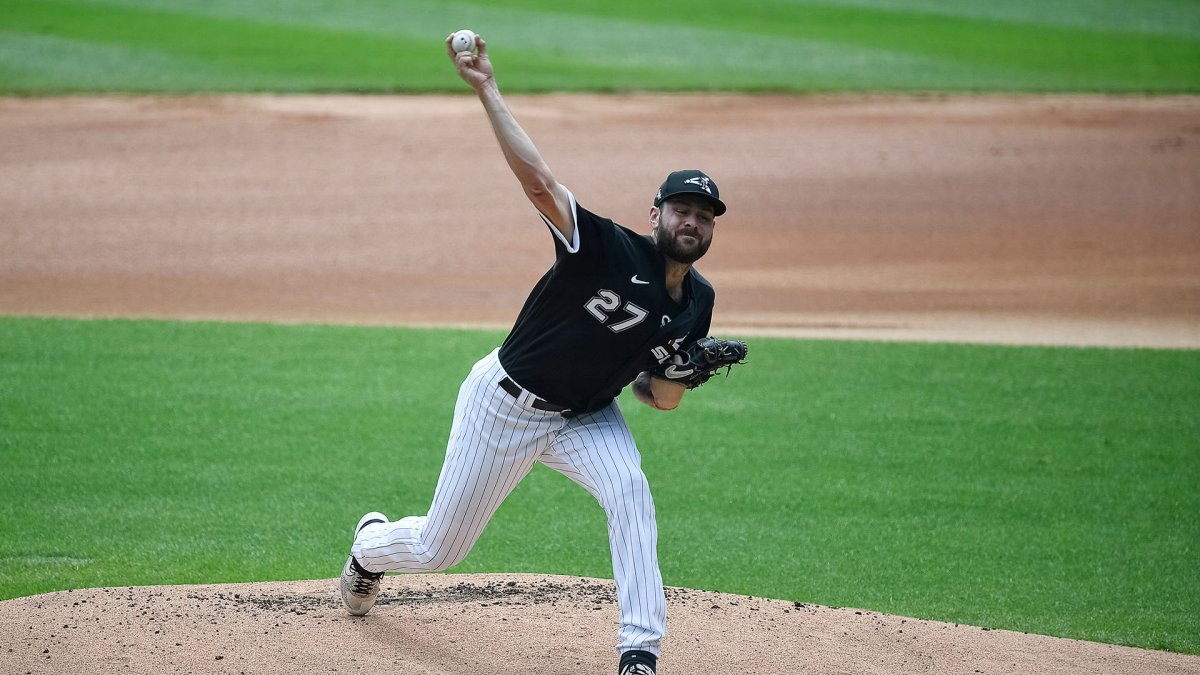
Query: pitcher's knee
[635, 484]
[631, 492]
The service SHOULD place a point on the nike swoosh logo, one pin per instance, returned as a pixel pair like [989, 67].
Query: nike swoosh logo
[636, 280]
[673, 371]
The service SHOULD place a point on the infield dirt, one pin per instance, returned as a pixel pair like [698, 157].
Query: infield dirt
[1057, 220]
[1051, 220]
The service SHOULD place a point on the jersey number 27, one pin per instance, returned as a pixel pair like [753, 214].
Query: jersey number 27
[605, 302]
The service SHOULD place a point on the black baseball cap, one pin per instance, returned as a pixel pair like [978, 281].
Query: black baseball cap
[690, 181]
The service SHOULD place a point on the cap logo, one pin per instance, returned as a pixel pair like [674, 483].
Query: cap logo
[701, 182]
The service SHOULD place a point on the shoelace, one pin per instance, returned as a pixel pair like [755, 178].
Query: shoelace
[637, 669]
[364, 581]
[363, 585]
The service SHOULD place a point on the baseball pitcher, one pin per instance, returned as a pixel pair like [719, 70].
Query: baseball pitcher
[616, 307]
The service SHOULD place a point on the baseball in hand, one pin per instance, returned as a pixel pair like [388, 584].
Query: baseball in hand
[463, 41]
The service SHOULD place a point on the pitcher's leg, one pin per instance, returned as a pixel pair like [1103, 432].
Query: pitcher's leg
[597, 452]
[493, 445]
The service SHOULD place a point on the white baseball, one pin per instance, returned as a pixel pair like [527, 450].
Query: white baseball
[463, 41]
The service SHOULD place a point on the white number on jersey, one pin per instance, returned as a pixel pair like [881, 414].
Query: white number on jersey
[605, 302]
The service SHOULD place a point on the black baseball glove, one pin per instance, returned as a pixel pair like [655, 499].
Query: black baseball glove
[693, 365]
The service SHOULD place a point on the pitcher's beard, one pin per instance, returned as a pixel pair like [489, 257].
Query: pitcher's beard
[669, 245]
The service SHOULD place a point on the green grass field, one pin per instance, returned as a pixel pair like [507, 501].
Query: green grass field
[64, 46]
[1042, 490]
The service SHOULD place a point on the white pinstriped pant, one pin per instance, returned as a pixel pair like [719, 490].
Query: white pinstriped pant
[493, 444]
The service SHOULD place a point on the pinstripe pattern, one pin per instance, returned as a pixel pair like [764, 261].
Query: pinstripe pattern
[494, 442]
[597, 452]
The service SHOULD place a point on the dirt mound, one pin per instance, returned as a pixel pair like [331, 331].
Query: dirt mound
[505, 624]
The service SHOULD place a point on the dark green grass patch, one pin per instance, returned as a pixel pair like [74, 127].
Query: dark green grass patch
[156, 452]
[1043, 490]
[62, 46]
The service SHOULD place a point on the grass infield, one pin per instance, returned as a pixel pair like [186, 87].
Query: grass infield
[1043, 490]
[149, 46]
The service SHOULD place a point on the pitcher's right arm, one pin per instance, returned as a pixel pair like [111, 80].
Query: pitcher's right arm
[545, 192]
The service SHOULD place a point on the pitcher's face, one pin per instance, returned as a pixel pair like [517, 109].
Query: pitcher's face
[682, 228]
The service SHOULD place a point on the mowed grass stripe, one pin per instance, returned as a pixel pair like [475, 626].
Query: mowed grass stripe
[1166, 17]
[1045, 490]
[1038, 55]
[376, 46]
[305, 49]
[31, 62]
[246, 55]
[238, 53]
[546, 40]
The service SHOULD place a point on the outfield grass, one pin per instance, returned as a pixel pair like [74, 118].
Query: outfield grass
[60, 46]
[1043, 490]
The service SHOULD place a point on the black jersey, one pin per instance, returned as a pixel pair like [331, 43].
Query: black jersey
[600, 316]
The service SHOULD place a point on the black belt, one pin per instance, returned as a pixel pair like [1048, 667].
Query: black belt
[516, 392]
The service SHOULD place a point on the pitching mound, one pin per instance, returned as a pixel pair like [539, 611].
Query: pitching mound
[505, 624]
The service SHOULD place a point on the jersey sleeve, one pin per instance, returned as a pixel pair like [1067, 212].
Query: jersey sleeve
[561, 244]
[592, 234]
